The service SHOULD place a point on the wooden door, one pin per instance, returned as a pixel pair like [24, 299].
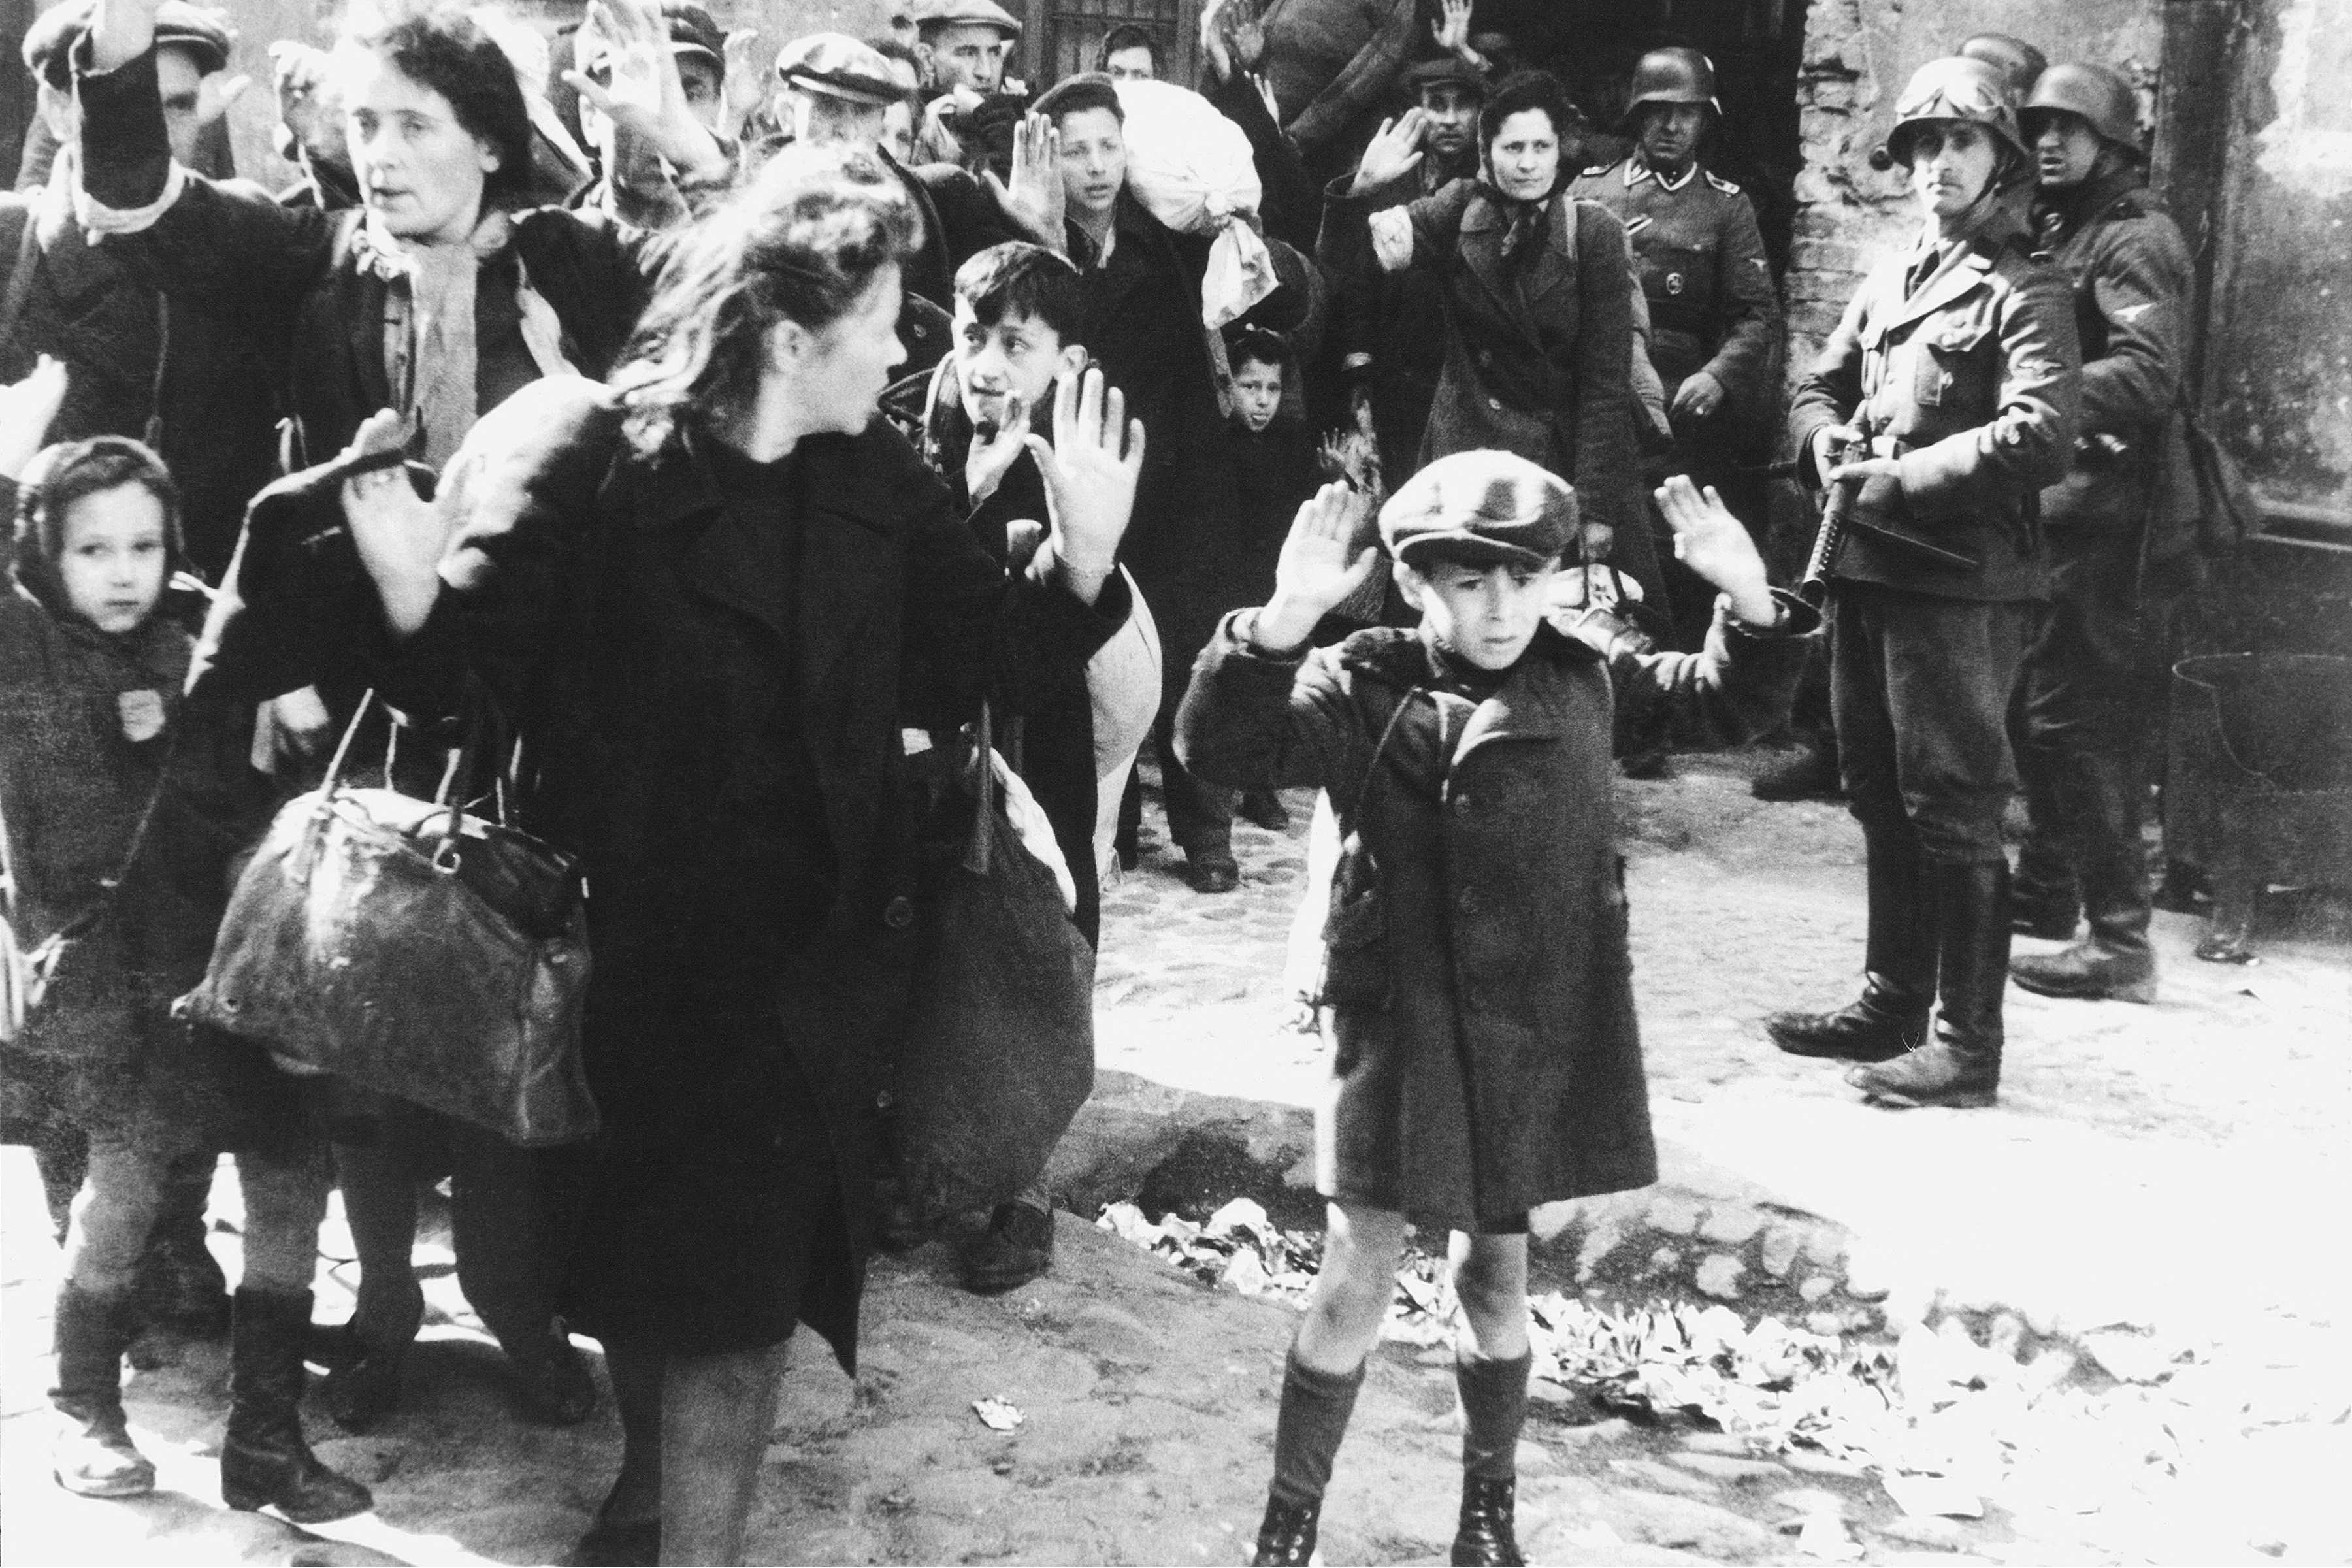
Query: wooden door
[1062, 36]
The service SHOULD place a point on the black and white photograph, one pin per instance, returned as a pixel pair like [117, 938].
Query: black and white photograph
[1175, 782]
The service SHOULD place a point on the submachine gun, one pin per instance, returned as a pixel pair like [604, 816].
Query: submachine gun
[1838, 523]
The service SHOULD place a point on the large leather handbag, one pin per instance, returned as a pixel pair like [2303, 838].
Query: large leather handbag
[414, 948]
[1001, 1046]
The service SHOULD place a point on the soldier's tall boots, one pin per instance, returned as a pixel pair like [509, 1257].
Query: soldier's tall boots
[94, 1454]
[1961, 1065]
[1493, 1410]
[1899, 960]
[2046, 898]
[1313, 1418]
[2113, 960]
[264, 1459]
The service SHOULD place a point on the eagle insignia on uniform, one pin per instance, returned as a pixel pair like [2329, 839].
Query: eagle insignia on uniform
[1720, 184]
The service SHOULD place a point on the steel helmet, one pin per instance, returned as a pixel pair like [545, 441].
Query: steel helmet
[2015, 59]
[1672, 76]
[2094, 93]
[1956, 88]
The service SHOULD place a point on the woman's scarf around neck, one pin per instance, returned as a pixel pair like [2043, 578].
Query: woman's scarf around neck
[430, 355]
[1523, 226]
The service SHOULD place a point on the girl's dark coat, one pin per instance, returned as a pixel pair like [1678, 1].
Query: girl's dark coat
[1479, 989]
[608, 602]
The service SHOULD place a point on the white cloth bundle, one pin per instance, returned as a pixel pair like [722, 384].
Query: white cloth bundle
[1192, 170]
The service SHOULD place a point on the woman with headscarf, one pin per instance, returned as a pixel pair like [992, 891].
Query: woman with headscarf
[710, 595]
[1538, 348]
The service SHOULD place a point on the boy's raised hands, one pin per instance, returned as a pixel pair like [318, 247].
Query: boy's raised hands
[1714, 543]
[1315, 573]
[1091, 471]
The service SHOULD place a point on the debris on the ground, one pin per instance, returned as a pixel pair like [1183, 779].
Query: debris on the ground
[998, 1415]
[1925, 1496]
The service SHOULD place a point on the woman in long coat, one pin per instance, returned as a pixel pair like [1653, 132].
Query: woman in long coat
[712, 593]
[439, 297]
[1538, 297]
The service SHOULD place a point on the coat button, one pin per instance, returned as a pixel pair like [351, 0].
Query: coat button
[898, 914]
[1496, 404]
[884, 1099]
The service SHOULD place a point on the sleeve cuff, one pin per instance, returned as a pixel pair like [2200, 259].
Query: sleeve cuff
[99, 218]
[1797, 619]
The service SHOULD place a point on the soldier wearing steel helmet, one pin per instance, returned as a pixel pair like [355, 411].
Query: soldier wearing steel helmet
[1942, 405]
[1699, 257]
[2119, 540]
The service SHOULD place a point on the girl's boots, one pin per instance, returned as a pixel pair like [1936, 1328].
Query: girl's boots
[1306, 1433]
[1493, 1408]
[265, 1460]
[94, 1454]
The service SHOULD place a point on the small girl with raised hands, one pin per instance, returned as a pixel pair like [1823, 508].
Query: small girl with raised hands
[122, 815]
[1476, 990]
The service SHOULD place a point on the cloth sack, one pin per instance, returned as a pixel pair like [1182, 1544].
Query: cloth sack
[1000, 1051]
[414, 949]
[1192, 169]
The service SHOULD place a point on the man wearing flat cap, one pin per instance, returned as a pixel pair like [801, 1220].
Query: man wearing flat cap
[963, 45]
[1475, 983]
[207, 404]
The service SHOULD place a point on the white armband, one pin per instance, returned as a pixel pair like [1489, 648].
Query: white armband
[97, 218]
[1392, 238]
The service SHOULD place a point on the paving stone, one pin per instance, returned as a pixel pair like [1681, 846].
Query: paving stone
[1718, 1276]
[1815, 1287]
[1724, 1468]
[1732, 1227]
[1675, 1215]
[1726, 1443]
[1651, 1473]
[1779, 1253]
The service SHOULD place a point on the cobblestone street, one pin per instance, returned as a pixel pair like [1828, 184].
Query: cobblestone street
[2122, 1299]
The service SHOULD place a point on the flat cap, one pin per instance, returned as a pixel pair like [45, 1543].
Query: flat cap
[50, 41]
[836, 65]
[1443, 69]
[1481, 506]
[929, 14]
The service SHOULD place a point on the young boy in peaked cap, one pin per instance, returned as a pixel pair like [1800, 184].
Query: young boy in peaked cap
[1477, 988]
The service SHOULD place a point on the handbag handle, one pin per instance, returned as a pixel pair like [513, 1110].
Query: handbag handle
[464, 767]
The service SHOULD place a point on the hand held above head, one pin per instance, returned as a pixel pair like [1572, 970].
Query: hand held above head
[1091, 471]
[1034, 198]
[120, 31]
[1714, 543]
[400, 536]
[643, 95]
[1315, 573]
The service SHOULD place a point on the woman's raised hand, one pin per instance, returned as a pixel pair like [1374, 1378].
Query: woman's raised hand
[993, 448]
[746, 85]
[120, 31]
[1315, 572]
[26, 409]
[1714, 543]
[1091, 471]
[1034, 198]
[400, 535]
[1395, 152]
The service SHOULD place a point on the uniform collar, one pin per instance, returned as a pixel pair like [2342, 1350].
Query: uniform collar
[1637, 170]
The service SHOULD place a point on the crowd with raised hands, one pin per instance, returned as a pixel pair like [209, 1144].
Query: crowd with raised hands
[742, 442]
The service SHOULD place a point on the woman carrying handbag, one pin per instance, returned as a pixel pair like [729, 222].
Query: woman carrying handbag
[711, 594]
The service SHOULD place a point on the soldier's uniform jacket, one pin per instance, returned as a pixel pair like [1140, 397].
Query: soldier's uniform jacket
[2131, 273]
[1972, 380]
[1700, 260]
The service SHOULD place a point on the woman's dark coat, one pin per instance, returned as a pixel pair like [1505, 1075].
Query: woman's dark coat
[613, 607]
[1479, 988]
[295, 282]
[1538, 347]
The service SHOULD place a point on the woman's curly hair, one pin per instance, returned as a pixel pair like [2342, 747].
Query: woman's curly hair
[803, 243]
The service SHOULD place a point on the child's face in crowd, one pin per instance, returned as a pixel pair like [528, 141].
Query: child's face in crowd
[1017, 357]
[115, 550]
[1484, 614]
[1525, 155]
[1094, 160]
[419, 170]
[1257, 393]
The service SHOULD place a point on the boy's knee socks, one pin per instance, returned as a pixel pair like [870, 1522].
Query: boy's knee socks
[1314, 1418]
[1493, 1408]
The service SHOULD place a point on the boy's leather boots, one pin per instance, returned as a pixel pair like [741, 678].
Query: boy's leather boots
[265, 1460]
[94, 1455]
